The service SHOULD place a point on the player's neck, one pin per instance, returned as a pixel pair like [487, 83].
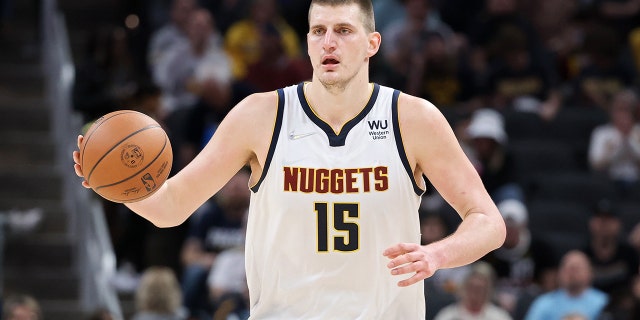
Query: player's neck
[336, 106]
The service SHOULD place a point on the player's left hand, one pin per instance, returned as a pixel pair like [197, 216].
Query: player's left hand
[410, 258]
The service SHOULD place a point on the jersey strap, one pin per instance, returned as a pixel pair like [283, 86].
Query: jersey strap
[396, 132]
[274, 139]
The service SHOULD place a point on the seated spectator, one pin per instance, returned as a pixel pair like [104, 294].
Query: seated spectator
[522, 263]
[575, 297]
[614, 262]
[274, 68]
[486, 26]
[228, 285]
[518, 81]
[490, 155]
[605, 73]
[171, 35]
[615, 147]
[158, 297]
[227, 281]
[474, 302]
[214, 227]
[436, 74]
[198, 69]
[407, 37]
[242, 39]
[21, 307]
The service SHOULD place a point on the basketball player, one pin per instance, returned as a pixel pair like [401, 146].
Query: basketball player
[337, 166]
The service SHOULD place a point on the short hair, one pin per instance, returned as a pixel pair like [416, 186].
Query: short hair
[366, 8]
[159, 291]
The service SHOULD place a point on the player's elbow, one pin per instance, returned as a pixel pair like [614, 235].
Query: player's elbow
[168, 220]
[165, 224]
[499, 232]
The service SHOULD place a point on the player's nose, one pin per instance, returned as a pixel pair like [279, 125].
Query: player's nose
[329, 42]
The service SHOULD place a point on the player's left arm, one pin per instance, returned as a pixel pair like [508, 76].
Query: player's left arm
[433, 150]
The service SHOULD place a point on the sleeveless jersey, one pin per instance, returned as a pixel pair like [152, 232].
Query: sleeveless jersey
[324, 209]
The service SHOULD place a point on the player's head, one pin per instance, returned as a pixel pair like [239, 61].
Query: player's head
[341, 40]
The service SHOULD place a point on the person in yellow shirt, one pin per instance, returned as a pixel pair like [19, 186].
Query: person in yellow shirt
[242, 40]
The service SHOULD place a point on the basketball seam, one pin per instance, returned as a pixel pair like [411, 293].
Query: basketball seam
[135, 174]
[87, 138]
[117, 144]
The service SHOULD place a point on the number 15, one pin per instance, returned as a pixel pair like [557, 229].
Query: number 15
[341, 212]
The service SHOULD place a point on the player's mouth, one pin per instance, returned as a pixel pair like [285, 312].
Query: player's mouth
[330, 61]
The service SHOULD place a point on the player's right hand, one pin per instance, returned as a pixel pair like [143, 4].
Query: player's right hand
[76, 166]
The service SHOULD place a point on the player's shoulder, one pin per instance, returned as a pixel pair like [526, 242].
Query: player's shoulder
[258, 103]
[416, 109]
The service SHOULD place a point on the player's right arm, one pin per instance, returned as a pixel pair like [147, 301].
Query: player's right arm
[243, 138]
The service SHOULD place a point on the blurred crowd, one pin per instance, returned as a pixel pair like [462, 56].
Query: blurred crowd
[543, 96]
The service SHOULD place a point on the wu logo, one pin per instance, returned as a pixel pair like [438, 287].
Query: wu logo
[378, 124]
[148, 181]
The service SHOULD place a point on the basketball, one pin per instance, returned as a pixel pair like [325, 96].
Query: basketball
[125, 156]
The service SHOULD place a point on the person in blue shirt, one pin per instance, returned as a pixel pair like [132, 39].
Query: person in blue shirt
[575, 297]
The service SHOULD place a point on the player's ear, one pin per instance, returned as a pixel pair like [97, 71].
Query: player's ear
[374, 43]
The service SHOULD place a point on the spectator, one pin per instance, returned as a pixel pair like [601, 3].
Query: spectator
[171, 35]
[387, 12]
[522, 263]
[158, 297]
[474, 302]
[408, 37]
[147, 99]
[490, 155]
[274, 68]
[575, 297]
[604, 74]
[21, 307]
[519, 81]
[242, 40]
[436, 74]
[615, 147]
[227, 282]
[197, 69]
[496, 16]
[215, 227]
[565, 37]
[615, 263]
[228, 285]
[194, 74]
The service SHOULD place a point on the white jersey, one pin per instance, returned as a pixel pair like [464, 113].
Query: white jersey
[323, 211]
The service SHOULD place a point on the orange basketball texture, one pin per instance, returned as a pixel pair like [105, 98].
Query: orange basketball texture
[125, 156]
